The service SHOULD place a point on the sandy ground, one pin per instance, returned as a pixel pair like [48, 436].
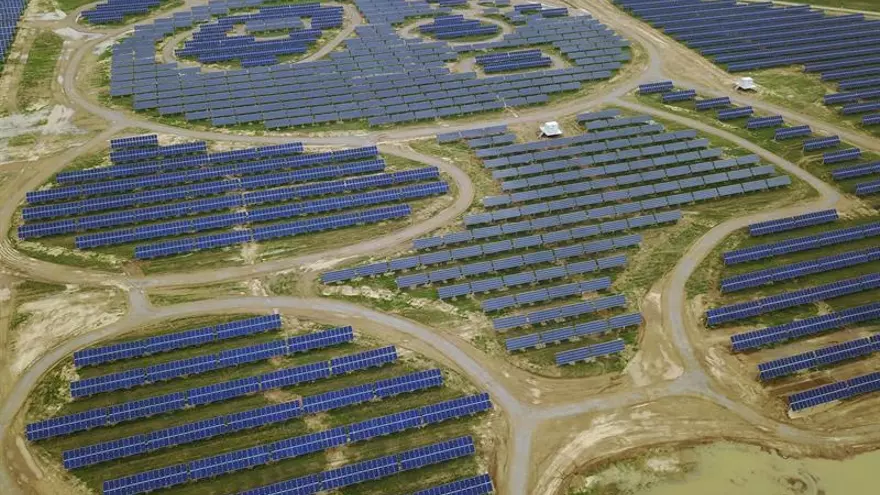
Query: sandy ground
[60, 317]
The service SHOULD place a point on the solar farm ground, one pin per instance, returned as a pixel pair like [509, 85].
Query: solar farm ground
[660, 247]
[52, 398]
[791, 150]
[60, 249]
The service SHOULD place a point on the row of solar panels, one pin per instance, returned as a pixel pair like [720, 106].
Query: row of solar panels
[115, 10]
[210, 362]
[760, 38]
[545, 294]
[559, 313]
[128, 411]
[611, 141]
[572, 332]
[140, 444]
[249, 198]
[522, 278]
[792, 223]
[794, 298]
[412, 262]
[806, 327]
[482, 132]
[618, 180]
[821, 143]
[597, 149]
[844, 173]
[836, 391]
[315, 442]
[94, 356]
[841, 156]
[819, 357]
[867, 188]
[794, 245]
[274, 231]
[200, 223]
[795, 270]
[372, 469]
[242, 188]
[163, 178]
[144, 141]
[618, 195]
[185, 162]
[791, 132]
[589, 353]
[171, 476]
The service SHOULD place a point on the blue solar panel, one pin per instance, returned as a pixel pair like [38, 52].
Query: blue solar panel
[793, 298]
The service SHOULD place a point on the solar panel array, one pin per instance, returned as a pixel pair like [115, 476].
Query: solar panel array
[794, 245]
[482, 132]
[821, 143]
[743, 37]
[841, 156]
[735, 113]
[108, 416]
[522, 278]
[790, 299]
[835, 391]
[559, 312]
[796, 270]
[112, 11]
[856, 171]
[209, 362]
[655, 87]
[315, 442]
[456, 26]
[867, 188]
[820, 357]
[477, 485]
[178, 340]
[213, 42]
[589, 352]
[765, 122]
[377, 76]
[572, 332]
[792, 132]
[287, 448]
[94, 199]
[683, 95]
[10, 13]
[713, 103]
[545, 294]
[372, 469]
[805, 327]
[792, 223]
[509, 61]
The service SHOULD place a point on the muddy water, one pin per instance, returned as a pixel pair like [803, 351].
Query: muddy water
[732, 469]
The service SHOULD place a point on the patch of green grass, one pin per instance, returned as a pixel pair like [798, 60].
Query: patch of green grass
[180, 295]
[33, 289]
[20, 140]
[39, 70]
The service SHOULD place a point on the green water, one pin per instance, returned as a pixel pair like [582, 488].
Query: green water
[732, 469]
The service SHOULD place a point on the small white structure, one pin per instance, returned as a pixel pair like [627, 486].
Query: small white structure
[746, 84]
[550, 129]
